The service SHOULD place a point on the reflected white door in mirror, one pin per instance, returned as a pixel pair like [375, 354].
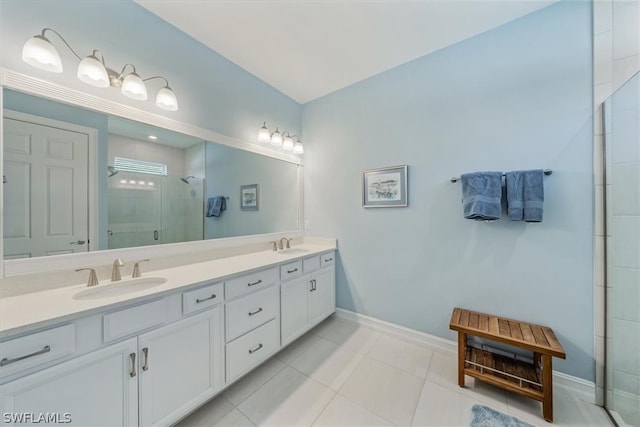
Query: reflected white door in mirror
[48, 179]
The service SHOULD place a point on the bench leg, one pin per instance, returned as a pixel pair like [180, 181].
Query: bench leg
[547, 388]
[462, 350]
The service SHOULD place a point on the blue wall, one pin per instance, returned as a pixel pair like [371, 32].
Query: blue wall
[517, 97]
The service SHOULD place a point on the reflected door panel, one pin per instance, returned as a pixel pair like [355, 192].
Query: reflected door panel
[45, 196]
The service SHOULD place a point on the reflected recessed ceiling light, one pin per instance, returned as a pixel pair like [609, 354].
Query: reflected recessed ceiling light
[153, 137]
[132, 182]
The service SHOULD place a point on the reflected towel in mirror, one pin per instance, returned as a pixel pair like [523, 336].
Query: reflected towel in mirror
[215, 206]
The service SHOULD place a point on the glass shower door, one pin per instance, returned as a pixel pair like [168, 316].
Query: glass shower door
[622, 153]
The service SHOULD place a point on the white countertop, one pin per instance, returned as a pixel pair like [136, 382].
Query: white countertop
[27, 312]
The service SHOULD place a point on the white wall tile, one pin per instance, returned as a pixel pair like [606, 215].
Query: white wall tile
[626, 347]
[626, 245]
[626, 32]
[599, 311]
[601, 92]
[626, 189]
[626, 382]
[599, 355]
[609, 219]
[599, 215]
[603, 58]
[602, 16]
[626, 129]
[599, 260]
[624, 69]
[626, 295]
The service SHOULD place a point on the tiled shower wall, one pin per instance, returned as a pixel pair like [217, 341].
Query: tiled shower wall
[616, 44]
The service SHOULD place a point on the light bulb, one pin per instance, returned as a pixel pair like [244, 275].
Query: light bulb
[276, 138]
[166, 99]
[134, 88]
[92, 72]
[40, 53]
[263, 134]
[298, 148]
[287, 144]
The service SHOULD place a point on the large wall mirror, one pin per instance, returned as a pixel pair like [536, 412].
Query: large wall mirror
[78, 180]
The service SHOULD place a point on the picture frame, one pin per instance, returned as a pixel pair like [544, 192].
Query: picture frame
[385, 187]
[249, 197]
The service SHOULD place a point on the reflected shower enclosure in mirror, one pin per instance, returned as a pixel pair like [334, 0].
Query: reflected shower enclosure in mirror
[50, 209]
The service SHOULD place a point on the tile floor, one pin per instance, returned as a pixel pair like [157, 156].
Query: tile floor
[344, 374]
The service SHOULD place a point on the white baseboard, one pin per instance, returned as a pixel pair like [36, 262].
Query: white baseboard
[578, 387]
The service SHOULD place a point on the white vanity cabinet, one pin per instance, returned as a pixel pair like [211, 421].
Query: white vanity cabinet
[307, 300]
[99, 388]
[178, 364]
[153, 360]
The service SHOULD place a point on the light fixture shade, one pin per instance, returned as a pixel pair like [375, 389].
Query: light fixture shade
[166, 99]
[287, 143]
[40, 53]
[134, 88]
[298, 148]
[92, 72]
[263, 134]
[276, 138]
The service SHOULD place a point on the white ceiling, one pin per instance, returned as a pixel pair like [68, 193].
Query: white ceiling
[309, 48]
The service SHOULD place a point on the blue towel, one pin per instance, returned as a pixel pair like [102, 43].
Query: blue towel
[525, 195]
[481, 194]
[515, 194]
[215, 206]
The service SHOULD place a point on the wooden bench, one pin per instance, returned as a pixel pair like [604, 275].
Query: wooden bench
[531, 378]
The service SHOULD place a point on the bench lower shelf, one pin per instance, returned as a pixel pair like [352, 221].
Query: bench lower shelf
[515, 375]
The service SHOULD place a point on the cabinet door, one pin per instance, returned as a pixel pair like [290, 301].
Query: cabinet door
[181, 365]
[97, 389]
[322, 301]
[294, 308]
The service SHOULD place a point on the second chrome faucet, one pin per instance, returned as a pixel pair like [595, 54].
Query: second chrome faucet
[284, 243]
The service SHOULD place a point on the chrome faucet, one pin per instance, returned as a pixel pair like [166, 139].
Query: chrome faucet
[93, 279]
[136, 268]
[287, 241]
[274, 248]
[115, 271]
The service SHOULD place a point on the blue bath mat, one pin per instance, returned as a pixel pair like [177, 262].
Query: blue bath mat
[483, 416]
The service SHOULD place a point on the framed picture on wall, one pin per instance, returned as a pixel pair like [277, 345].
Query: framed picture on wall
[249, 197]
[385, 187]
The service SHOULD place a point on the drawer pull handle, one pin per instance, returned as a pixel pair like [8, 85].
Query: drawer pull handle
[198, 300]
[254, 283]
[145, 353]
[313, 285]
[253, 350]
[328, 260]
[292, 271]
[133, 365]
[252, 313]
[6, 361]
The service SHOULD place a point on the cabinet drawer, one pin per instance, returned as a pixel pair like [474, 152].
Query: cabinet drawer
[201, 298]
[35, 349]
[251, 311]
[310, 264]
[291, 270]
[249, 350]
[243, 285]
[132, 320]
[327, 259]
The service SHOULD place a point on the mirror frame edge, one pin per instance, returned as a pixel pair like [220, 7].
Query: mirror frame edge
[20, 82]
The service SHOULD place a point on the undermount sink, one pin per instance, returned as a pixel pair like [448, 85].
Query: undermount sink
[293, 251]
[121, 287]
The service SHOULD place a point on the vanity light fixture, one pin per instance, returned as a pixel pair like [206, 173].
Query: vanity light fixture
[283, 140]
[39, 52]
[287, 143]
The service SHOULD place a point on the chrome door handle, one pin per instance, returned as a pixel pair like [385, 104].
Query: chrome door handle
[292, 271]
[253, 350]
[133, 365]
[254, 283]
[198, 300]
[328, 259]
[78, 242]
[252, 313]
[145, 353]
[155, 234]
[6, 361]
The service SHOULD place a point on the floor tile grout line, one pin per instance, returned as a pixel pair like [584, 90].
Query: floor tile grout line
[257, 388]
[324, 409]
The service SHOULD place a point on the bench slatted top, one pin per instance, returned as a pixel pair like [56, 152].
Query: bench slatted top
[539, 339]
